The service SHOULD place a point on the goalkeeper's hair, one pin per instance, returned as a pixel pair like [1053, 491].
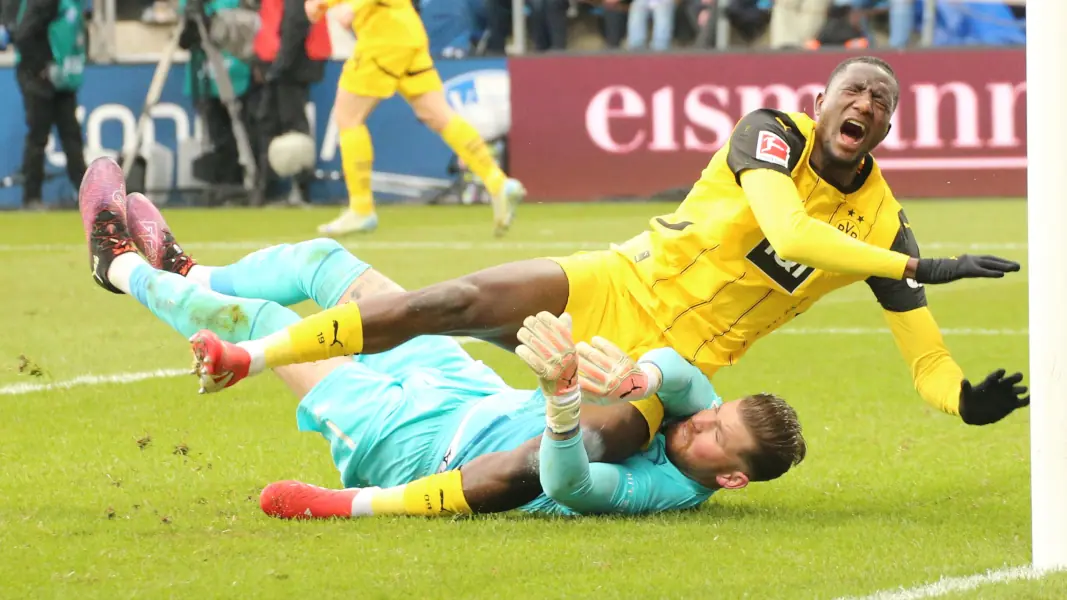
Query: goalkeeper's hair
[779, 441]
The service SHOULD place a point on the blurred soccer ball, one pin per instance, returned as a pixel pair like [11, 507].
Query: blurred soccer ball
[291, 153]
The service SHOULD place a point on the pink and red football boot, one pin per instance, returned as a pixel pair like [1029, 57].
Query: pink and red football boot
[102, 202]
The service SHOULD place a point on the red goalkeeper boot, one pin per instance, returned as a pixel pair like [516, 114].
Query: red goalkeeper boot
[296, 500]
[218, 364]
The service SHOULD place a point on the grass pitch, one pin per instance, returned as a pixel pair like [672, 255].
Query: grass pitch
[111, 488]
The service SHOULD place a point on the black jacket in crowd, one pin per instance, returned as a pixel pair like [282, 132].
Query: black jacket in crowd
[292, 64]
[31, 35]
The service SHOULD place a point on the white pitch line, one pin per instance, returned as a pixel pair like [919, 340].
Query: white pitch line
[249, 245]
[17, 389]
[951, 585]
[876, 330]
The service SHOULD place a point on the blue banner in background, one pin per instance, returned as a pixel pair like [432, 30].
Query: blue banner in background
[408, 157]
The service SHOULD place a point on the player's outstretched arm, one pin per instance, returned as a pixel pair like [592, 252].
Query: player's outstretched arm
[763, 153]
[797, 236]
[940, 381]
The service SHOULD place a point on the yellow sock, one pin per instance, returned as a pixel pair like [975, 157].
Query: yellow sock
[464, 140]
[337, 331]
[433, 496]
[357, 159]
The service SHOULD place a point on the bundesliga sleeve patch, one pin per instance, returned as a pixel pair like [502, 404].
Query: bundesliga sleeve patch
[773, 149]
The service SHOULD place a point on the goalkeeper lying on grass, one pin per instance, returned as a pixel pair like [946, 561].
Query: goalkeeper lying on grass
[408, 427]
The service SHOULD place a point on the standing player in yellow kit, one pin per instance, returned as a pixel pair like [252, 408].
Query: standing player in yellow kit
[393, 54]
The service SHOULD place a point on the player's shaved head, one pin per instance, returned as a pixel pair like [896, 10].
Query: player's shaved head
[873, 61]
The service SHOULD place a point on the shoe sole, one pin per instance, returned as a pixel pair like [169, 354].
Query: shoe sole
[202, 368]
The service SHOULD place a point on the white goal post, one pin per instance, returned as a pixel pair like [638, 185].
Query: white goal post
[1046, 183]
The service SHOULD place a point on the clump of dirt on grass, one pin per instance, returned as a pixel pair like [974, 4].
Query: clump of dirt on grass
[29, 367]
[144, 441]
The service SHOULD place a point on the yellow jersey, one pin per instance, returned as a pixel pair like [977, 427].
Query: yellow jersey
[709, 278]
[391, 23]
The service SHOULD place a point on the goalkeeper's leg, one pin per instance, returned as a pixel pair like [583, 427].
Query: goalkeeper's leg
[321, 270]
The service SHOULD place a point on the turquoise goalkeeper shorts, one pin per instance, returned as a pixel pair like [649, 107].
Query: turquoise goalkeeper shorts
[391, 417]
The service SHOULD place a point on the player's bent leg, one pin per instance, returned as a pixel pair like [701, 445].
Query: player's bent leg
[301, 379]
[383, 433]
[507, 193]
[489, 304]
[351, 108]
[370, 282]
[182, 304]
[434, 496]
[321, 270]
[490, 483]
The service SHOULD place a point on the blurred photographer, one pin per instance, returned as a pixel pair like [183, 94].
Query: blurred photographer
[220, 162]
[291, 55]
[49, 38]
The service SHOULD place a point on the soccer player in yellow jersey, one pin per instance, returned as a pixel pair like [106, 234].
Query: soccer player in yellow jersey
[392, 54]
[788, 211]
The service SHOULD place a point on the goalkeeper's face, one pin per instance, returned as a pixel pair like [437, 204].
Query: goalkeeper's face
[708, 447]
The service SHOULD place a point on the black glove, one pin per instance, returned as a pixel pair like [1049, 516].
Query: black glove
[944, 270]
[993, 399]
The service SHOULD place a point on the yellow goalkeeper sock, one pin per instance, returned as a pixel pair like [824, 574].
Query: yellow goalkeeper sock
[464, 140]
[433, 496]
[357, 160]
[337, 331]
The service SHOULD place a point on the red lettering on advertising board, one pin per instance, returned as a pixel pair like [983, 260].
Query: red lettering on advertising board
[617, 125]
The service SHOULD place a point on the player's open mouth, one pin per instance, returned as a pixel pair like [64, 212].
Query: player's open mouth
[853, 131]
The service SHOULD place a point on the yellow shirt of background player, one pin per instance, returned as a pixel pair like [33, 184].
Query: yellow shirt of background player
[387, 24]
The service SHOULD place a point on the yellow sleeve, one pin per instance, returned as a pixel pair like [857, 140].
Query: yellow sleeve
[937, 377]
[652, 410]
[796, 236]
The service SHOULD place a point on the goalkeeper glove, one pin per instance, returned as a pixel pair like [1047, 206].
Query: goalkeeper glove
[993, 399]
[548, 349]
[945, 270]
[607, 373]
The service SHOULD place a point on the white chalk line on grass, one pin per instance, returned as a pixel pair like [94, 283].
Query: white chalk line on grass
[16, 389]
[952, 585]
[249, 245]
[878, 331]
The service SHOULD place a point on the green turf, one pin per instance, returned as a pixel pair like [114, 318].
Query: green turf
[148, 490]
